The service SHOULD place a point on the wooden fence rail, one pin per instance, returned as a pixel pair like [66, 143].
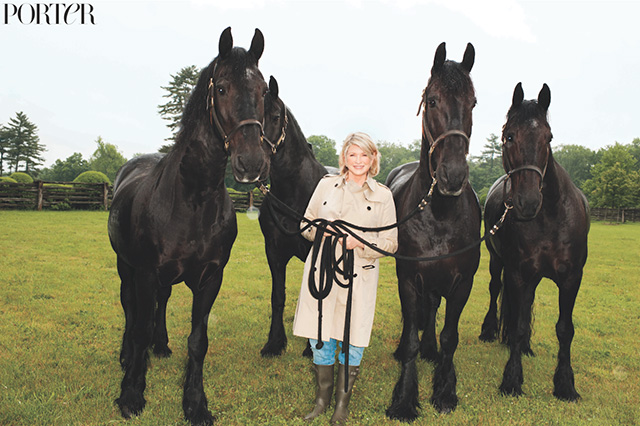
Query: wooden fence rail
[615, 215]
[54, 195]
[71, 195]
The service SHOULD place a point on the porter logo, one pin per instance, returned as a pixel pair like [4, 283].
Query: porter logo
[47, 14]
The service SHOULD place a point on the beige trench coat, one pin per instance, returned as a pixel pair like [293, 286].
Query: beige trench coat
[370, 206]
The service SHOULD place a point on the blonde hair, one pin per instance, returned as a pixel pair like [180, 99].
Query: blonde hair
[365, 143]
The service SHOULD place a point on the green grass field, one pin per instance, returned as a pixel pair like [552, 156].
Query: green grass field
[61, 325]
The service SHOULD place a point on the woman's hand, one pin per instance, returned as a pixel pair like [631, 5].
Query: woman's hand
[352, 243]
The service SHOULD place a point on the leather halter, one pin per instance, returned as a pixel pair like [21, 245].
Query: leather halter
[213, 116]
[508, 201]
[283, 132]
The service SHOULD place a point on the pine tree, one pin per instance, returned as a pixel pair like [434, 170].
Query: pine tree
[179, 90]
[4, 147]
[23, 143]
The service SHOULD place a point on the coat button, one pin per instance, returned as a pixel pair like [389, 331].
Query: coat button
[324, 204]
[368, 207]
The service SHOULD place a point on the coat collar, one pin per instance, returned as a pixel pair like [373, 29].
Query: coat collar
[371, 188]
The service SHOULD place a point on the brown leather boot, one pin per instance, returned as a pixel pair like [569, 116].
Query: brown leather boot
[324, 390]
[342, 398]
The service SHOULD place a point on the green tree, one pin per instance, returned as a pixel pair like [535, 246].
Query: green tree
[22, 144]
[393, 155]
[106, 159]
[4, 147]
[65, 170]
[492, 152]
[324, 149]
[634, 149]
[616, 179]
[486, 168]
[577, 161]
[179, 90]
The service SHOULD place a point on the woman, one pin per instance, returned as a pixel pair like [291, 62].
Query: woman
[355, 197]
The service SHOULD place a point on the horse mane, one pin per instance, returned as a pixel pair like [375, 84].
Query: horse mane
[527, 110]
[197, 105]
[453, 78]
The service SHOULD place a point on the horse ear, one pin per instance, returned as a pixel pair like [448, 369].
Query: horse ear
[441, 55]
[544, 97]
[469, 57]
[518, 95]
[226, 43]
[273, 87]
[257, 45]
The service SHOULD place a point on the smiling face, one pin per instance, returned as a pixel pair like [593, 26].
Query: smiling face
[358, 162]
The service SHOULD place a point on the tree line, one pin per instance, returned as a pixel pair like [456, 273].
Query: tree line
[21, 152]
[609, 177]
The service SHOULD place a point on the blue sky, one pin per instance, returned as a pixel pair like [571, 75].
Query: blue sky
[342, 66]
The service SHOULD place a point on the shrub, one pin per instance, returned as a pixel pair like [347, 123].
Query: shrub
[7, 179]
[92, 177]
[21, 177]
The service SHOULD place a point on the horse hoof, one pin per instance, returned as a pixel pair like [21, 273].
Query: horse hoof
[488, 336]
[569, 395]
[430, 355]
[445, 405]
[510, 390]
[162, 351]
[203, 419]
[404, 414]
[131, 404]
[271, 350]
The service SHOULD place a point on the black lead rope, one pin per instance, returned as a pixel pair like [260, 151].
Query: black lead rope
[330, 268]
[332, 232]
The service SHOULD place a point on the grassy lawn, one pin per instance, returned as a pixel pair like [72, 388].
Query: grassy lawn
[61, 325]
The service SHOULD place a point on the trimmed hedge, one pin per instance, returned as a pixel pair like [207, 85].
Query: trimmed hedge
[92, 177]
[21, 177]
[7, 179]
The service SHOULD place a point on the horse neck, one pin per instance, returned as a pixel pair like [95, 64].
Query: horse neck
[555, 181]
[423, 171]
[200, 159]
[294, 164]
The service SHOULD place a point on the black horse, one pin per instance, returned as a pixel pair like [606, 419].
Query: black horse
[294, 174]
[450, 222]
[172, 219]
[543, 236]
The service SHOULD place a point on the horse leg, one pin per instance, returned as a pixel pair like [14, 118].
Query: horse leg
[128, 301]
[194, 400]
[160, 340]
[404, 402]
[489, 331]
[563, 381]
[131, 401]
[277, 341]
[428, 343]
[519, 296]
[444, 397]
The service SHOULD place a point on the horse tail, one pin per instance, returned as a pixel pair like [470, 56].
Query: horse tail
[503, 316]
[507, 320]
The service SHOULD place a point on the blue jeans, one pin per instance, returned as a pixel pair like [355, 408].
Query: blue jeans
[327, 355]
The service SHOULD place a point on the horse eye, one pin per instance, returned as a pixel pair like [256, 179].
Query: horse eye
[431, 103]
[221, 90]
[509, 138]
[276, 118]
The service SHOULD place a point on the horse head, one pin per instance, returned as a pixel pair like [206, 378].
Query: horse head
[236, 103]
[526, 138]
[448, 102]
[275, 116]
